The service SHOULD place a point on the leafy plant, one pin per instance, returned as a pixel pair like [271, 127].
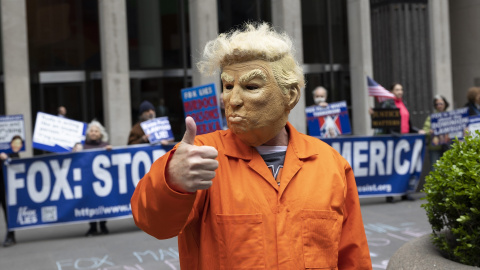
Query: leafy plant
[453, 195]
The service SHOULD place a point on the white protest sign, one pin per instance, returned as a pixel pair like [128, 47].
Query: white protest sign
[57, 134]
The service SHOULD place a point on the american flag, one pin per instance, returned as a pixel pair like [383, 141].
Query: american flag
[376, 90]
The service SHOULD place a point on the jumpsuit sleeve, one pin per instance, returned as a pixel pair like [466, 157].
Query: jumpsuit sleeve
[353, 247]
[157, 209]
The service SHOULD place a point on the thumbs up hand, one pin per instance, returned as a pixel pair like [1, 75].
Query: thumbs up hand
[191, 167]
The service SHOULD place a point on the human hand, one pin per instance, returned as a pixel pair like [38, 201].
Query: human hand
[108, 147]
[421, 131]
[191, 167]
[3, 156]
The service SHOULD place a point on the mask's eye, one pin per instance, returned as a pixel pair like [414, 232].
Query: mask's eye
[228, 86]
[252, 87]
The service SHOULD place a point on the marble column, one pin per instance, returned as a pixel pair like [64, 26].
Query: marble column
[441, 60]
[287, 16]
[16, 65]
[360, 50]
[203, 21]
[115, 70]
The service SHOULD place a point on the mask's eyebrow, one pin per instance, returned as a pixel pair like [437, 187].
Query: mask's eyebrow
[256, 73]
[226, 78]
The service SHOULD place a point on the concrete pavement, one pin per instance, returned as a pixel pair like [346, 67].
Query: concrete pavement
[64, 247]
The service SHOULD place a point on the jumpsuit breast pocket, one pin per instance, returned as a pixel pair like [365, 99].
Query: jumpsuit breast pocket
[241, 241]
[320, 235]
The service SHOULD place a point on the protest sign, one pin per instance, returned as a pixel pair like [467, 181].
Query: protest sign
[201, 103]
[328, 122]
[57, 134]
[474, 125]
[386, 118]
[157, 129]
[383, 165]
[451, 124]
[75, 187]
[12, 134]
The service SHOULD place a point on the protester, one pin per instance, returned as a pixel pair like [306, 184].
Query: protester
[436, 144]
[146, 112]
[77, 147]
[473, 98]
[405, 124]
[10, 237]
[16, 143]
[320, 95]
[97, 137]
[229, 209]
[62, 112]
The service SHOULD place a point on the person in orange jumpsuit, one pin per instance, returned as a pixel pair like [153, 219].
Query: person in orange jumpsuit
[259, 195]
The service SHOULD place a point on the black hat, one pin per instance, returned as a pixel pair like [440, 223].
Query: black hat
[145, 106]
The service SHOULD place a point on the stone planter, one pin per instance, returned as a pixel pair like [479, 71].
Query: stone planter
[421, 254]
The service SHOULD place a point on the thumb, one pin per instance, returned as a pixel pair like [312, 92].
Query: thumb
[191, 130]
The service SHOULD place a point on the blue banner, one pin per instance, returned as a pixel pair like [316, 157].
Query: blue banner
[383, 165]
[328, 122]
[201, 103]
[75, 187]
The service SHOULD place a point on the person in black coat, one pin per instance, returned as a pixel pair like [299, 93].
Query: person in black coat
[16, 145]
[473, 104]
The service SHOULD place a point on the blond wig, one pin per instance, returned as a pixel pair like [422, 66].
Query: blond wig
[254, 42]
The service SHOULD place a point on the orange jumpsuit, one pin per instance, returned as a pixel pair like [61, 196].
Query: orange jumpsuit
[246, 221]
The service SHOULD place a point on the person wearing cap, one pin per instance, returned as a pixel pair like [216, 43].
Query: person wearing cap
[146, 112]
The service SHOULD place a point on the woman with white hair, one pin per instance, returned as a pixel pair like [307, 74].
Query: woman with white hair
[97, 137]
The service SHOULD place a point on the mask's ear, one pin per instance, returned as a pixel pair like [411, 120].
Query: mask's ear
[293, 96]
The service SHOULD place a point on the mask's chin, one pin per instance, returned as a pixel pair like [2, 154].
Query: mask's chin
[260, 136]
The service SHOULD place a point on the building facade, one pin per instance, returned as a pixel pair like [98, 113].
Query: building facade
[101, 58]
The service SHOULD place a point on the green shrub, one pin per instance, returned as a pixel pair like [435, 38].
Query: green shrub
[453, 208]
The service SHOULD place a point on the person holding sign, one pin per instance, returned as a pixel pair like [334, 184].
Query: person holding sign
[16, 144]
[320, 96]
[473, 98]
[434, 142]
[405, 124]
[10, 237]
[397, 102]
[137, 135]
[97, 137]
[259, 195]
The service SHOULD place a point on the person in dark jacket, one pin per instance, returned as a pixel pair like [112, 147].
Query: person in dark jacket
[16, 144]
[405, 123]
[146, 112]
[473, 104]
[397, 103]
[97, 137]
